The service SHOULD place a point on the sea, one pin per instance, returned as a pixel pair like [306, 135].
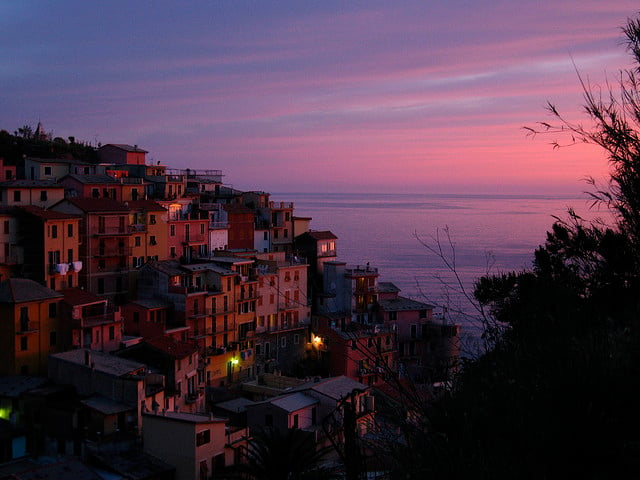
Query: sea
[435, 246]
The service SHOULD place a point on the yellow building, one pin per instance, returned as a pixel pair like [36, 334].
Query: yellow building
[29, 326]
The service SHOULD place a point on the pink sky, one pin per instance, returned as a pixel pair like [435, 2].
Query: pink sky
[288, 96]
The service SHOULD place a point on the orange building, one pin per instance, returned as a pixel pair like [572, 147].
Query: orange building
[105, 249]
[51, 242]
[29, 326]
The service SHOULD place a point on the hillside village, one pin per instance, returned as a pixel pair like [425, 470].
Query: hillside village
[152, 319]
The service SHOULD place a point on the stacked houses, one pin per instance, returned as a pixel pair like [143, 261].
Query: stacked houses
[148, 295]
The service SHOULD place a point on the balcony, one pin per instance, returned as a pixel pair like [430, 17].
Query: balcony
[109, 231]
[96, 320]
[113, 252]
[194, 238]
[186, 290]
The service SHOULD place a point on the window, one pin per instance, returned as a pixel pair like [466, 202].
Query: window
[6, 226]
[24, 345]
[43, 195]
[393, 316]
[265, 236]
[95, 193]
[53, 310]
[152, 219]
[54, 231]
[101, 285]
[152, 240]
[53, 339]
[172, 251]
[423, 314]
[112, 332]
[296, 339]
[69, 255]
[16, 195]
[286, 217]
[275, 234]
[202, 228]
[70, 230]
[283, 342]
[173, 230]
[286, 233]
[203, 437]
[137, 241]
[414, 330]
[47, 170]
[295, 421]
[136, 317]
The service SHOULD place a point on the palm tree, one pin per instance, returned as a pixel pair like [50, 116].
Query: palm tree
[291, 454]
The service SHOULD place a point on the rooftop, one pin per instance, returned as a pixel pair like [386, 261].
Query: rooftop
[77, 296]
[14, 385]
[92, 179]
[294, 401]
[335, 388]
[30, 184]
[125, 147]
[172, 347]
[47, 214]
[20, 290]
[101, 362]
[400, 304]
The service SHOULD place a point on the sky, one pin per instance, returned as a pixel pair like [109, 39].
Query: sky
[320, 96]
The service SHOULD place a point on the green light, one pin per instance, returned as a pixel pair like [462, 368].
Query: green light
[5, 413]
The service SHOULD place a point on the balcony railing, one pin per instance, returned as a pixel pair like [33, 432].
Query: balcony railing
[95, 320]
[109, 231]
[112, 252]
[195, 238]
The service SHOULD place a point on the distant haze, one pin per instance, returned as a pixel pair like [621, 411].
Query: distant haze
[363, 96]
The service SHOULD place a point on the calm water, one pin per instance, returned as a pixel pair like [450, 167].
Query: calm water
[487, 234]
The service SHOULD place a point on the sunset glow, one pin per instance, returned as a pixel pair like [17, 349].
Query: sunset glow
[319, 96]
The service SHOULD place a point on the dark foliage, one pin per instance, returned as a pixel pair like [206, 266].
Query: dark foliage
[555, 395]
[15, 147]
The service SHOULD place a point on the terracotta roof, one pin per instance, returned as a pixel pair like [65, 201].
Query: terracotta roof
[77, 296]
[47, 214]
[150, 205]
[30, 184]
[172, 347]
[98, 178]
[125, 147]
[324, 235]
[400, 304]
[20, 290]
[89, 204]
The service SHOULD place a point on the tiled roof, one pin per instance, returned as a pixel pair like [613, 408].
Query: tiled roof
[98, 178]
[125, 147]
[172, 347]
[324, 235]
[77, 296]
[293, 402]
[387, 287]
[334, 387]
[400, 304]
[88, 204]
[20, 290]
[102, 362]
[30, 184]
[149, 205]
[72, 161]
[47, 214]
